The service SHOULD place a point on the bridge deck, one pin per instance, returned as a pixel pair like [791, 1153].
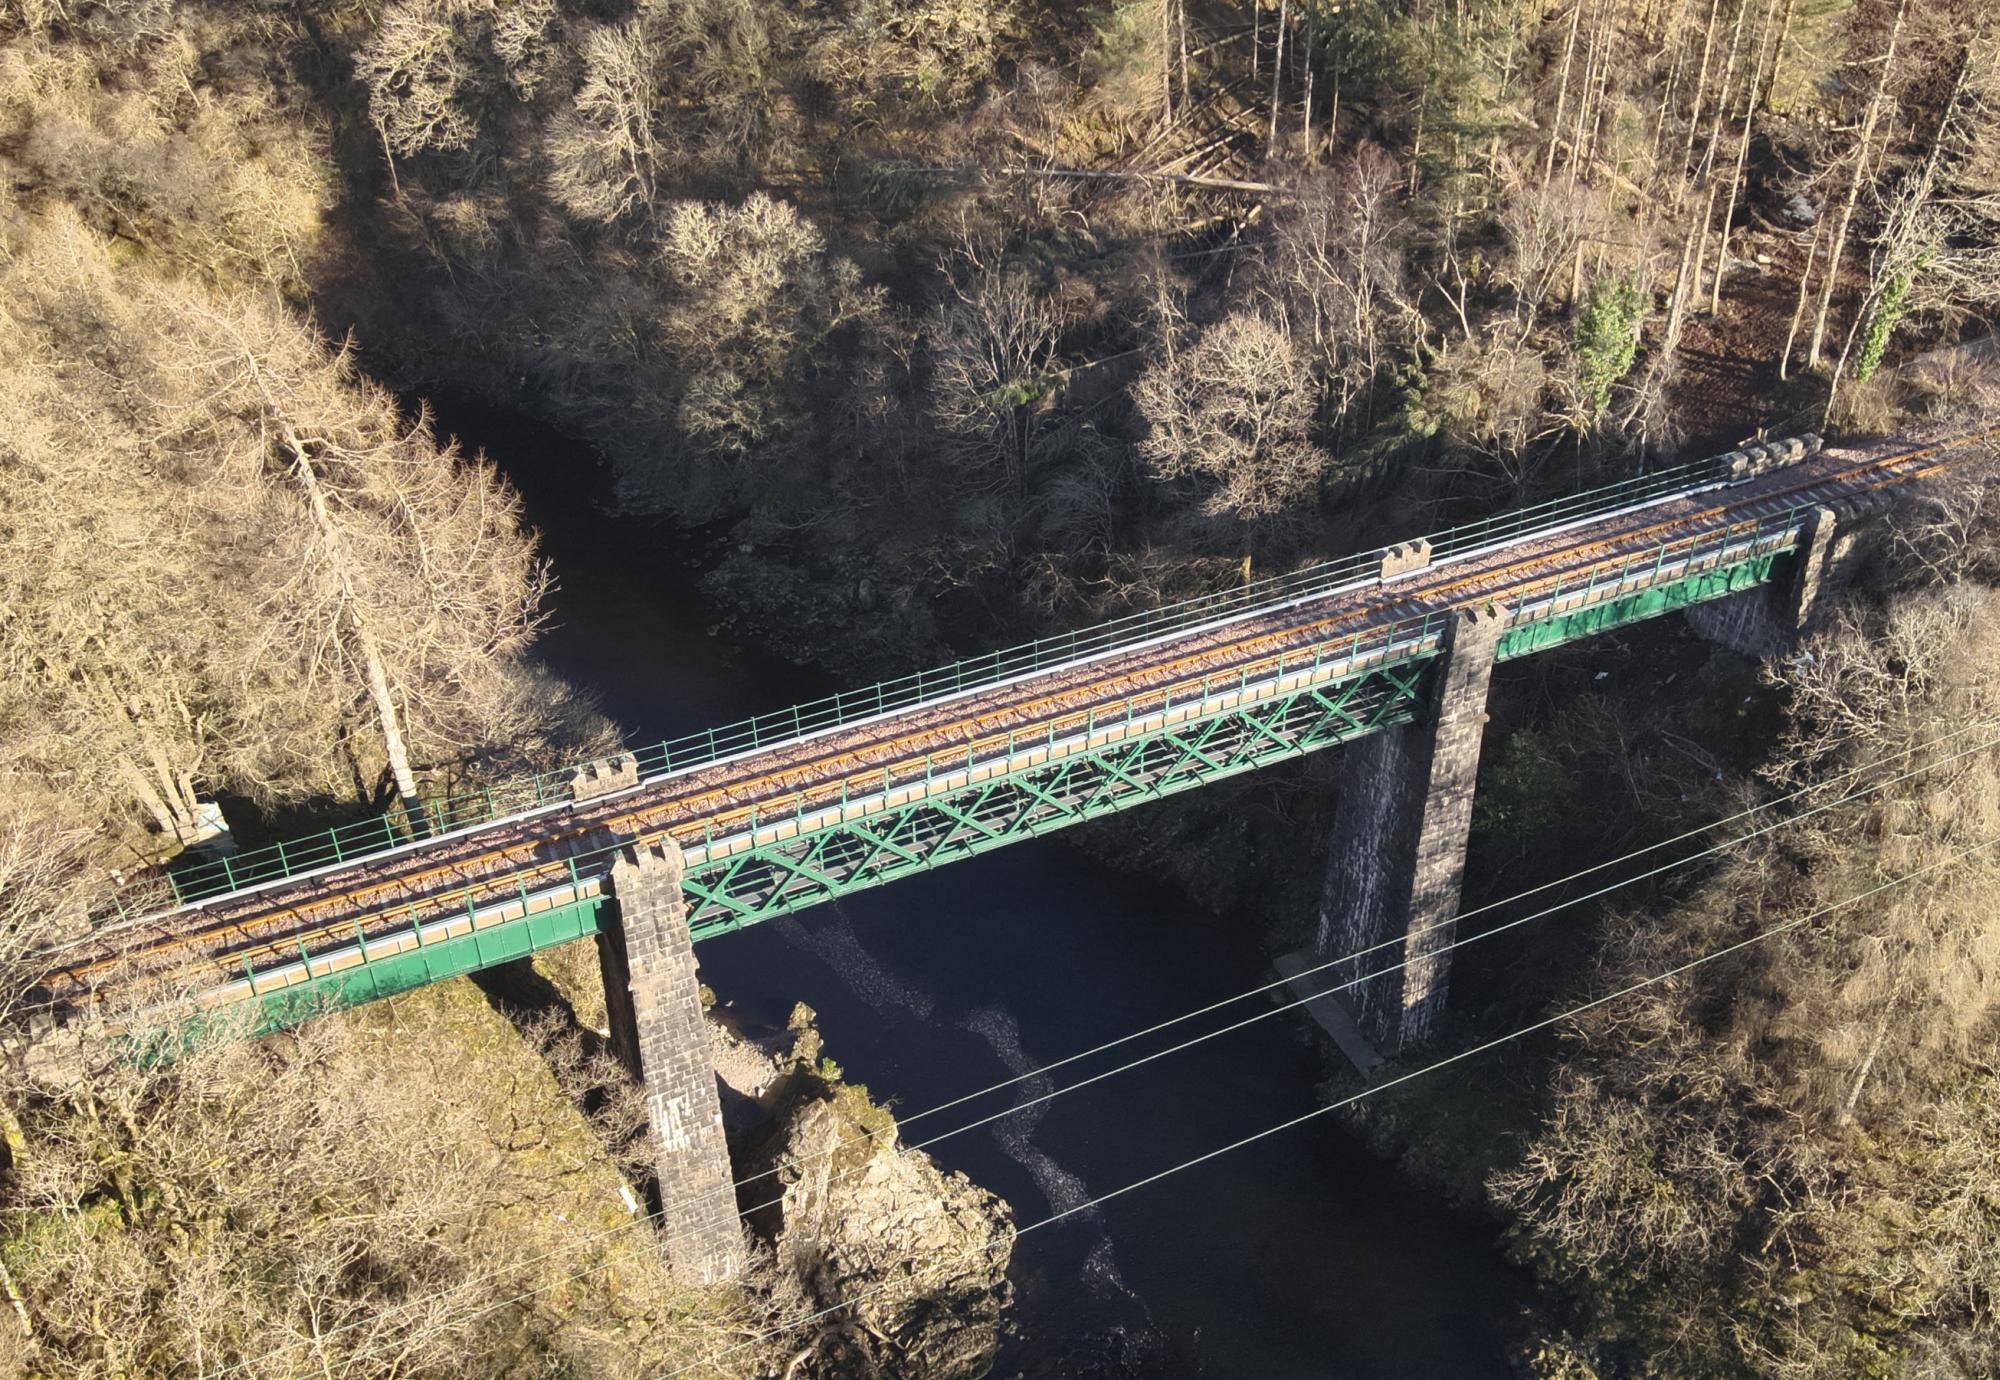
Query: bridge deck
[715, 808]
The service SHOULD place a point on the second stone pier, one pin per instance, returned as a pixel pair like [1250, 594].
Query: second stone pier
[1398, 854]
[659, 1031]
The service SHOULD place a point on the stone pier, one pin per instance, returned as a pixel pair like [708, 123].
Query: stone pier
[1767, 620]
[1398, 856]
[659, 1031]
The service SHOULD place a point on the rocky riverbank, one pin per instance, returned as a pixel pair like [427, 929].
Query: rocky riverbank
[900, 1266]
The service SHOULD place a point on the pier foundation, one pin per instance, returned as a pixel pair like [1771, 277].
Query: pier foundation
[659, 1031]
[1398, 855]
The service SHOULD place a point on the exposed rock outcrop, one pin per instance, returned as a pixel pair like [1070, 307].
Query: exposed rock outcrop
[918, 1256]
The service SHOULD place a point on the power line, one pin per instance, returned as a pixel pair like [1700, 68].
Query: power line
[1414, 1074]
[668, 1208]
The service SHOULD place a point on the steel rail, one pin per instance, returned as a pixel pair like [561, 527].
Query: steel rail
[307, 855]
[649, 817]
[1062, 710]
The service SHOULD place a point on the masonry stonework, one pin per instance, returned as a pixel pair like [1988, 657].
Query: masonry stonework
[1767, 620]
[594, 779]
[1398, 853]
[659, 1031]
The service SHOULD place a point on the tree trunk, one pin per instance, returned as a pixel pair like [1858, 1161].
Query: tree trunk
[374, 671]
[1799, 307]
[1750, 98]
[1277, 75]
[1854, 189]
[1306, 104]
[1667, 96]
[1701, 83]
[1708, 156]
[1562, 90]
[1180, 12]
[1778, 49]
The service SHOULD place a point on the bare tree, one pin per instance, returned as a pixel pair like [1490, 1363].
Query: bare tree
[605, 155]
[1864, 155]
[995, 376]
[1233, 409]
[222, 542]
[1338, 273]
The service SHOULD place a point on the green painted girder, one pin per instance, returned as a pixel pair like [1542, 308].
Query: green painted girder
[315, 984]
[782, 875]
[1553, 630]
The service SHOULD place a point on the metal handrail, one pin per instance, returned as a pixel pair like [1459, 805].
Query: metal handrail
[1407, 639]
[363, 838]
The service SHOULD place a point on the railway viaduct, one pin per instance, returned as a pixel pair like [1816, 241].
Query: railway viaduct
[661, 848]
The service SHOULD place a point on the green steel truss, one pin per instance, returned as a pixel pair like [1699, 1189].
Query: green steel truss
[1591, 618]
[788, 863]
[785, 874]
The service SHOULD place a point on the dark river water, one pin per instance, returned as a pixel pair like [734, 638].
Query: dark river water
[1299, 1256]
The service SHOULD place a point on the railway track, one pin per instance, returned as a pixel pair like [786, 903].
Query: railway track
[282, 920]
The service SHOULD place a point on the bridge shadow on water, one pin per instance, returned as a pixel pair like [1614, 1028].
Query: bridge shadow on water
[1299, 1256]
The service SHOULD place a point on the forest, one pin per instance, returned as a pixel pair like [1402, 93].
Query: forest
[955, 321]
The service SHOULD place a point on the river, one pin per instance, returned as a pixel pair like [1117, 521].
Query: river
[1299, 1256]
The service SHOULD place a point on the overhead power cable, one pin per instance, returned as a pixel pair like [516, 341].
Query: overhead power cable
[1375, 1090]
[1857, 792]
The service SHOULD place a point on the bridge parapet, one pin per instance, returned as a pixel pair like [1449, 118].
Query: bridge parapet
[1764, 456]
[594, 779]
[1404, 558]
[776, 829]
[1275, 696]
[344, 845]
